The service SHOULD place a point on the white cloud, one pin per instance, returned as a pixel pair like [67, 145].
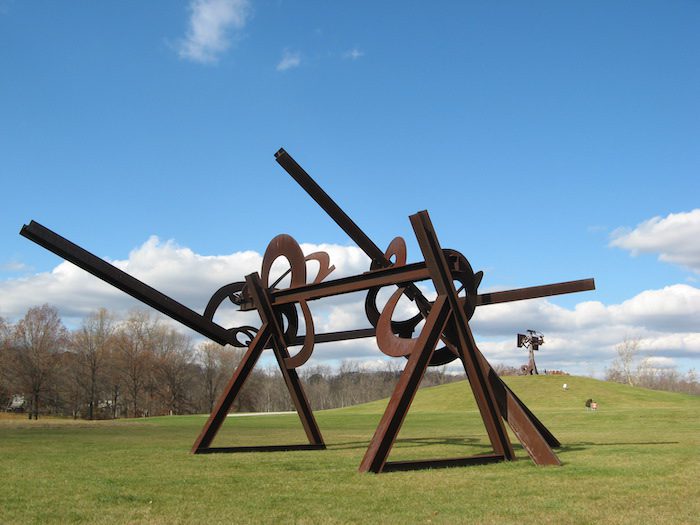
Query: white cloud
[209, 31]
[676, 238]
[290, 60]
[13, 266]
[353, 54]
[658, 363]
[665, 322]
[579, 340]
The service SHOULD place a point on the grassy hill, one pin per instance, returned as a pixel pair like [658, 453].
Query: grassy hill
[635, 460]
[542, 393]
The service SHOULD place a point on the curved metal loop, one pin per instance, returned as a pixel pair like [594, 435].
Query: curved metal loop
[388, 343]
[405, 328]
[325, 267]
[232, 292]
[397, 251]
[285, 246]
[303, 355]
[463, 273]
[248, 331]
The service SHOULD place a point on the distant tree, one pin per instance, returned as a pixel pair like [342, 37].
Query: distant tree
[318, 386]
[173, 356]
[37, 343]
[5, 332]
[217, 363]
[91, 344]
[134, 355]
[506, 370]
[622, 368]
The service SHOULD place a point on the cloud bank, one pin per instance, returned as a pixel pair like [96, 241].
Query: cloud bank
[579, 340]
[676, 238]
[210, 28]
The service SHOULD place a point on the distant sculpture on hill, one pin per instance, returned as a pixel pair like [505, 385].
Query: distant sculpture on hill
[532, 341]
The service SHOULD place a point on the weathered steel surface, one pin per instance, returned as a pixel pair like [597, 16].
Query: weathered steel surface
[446, 320]
[405, 390]
[442, 278]
[125, 282]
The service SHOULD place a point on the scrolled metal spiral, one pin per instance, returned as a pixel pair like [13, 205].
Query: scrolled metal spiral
[394, 338]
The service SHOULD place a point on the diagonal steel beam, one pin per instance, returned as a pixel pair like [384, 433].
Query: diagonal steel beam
[504, 395]
[125, 282]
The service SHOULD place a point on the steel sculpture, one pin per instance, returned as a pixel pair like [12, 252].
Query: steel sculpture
[532, 341]
[446, 324]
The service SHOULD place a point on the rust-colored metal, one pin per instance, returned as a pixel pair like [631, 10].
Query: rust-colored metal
[466, 346]
[446, 320]
[405, 389]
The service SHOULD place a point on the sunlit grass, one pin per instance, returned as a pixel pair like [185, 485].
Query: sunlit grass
[636, 460]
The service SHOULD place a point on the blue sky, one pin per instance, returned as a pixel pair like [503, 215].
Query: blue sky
[532, 132]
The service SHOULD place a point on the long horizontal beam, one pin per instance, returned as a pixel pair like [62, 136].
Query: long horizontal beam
[356, 283]
[416, 272]
[188, 317]
[518, 294]
[533, 292]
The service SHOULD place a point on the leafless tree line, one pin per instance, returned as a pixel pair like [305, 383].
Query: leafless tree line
[140, 367]
[628, 368]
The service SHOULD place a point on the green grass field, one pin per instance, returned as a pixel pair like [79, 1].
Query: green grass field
[635, 460]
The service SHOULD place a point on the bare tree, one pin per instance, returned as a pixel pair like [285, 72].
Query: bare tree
[134, 348]
[173, 355]
[217, 365]
[38, 340]
[91, 344]
[5, 333]
[318, 386]
[622, 368]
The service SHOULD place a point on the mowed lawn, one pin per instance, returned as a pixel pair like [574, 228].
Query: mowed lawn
[635, 460]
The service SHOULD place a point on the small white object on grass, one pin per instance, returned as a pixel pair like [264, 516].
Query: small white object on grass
[565, 387]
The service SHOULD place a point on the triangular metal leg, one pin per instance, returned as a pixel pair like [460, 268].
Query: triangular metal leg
[466, 346]
[405, 390]
[270, 331]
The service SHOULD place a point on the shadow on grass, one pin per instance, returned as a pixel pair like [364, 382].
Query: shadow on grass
[584, 445]
[413, 442]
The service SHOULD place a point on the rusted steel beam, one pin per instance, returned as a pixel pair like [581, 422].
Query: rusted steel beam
[405, 389]
[534, 292]
[527, 428]
[261, 448]
[504, 394]
[414, 272]
[342, 219]
[442, 278]
[296, 390]
[388, 276]
[334, 211]
[511, 397]
[330, 337]
[270, 331]
[233, 388]
[124, 282]
[402, 466]
[518, 294]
